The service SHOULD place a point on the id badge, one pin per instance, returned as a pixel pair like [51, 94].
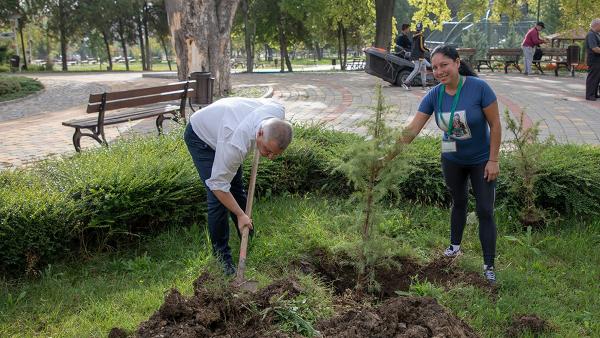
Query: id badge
[448, 146]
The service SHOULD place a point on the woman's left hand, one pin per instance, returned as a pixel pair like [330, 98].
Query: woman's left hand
[492, 169]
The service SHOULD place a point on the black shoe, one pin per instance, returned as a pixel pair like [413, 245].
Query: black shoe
[590, 98]
[229, 269]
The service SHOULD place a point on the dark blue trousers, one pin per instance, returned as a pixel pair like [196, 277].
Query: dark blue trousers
[218, 225]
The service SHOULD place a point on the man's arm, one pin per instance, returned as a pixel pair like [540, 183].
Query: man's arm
[228, 159]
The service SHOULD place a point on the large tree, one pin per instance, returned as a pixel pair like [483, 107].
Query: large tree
[432, 13]
[200, 32]
[64, 17]
[384, 10]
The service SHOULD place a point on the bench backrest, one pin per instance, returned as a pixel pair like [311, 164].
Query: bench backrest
[139, 97]
[504, 52]
[466, 52]
[554, 52]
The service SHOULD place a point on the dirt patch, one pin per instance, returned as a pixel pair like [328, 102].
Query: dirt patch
[397, 275]
[527, 323]
[218, 311]
[445, 271]
[215, 310]
[395, 317]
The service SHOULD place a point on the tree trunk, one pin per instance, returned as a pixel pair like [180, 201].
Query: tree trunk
[49, 61]
[142, 49]
[345, 43]
[121, 32]
[145, 23]
[384, 10]
[283, 47]
[341, 50]
[107, 45]
[248, 38]
[22, 44]
[201, 36]
[164, 46]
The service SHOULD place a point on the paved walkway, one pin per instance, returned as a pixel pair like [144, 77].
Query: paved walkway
[31, 129]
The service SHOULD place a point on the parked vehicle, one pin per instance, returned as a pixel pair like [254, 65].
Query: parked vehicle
[393, 68]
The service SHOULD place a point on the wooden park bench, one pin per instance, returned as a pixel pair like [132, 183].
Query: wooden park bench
[131, 105]
[508, 56]
[467, 54]
[557, 56]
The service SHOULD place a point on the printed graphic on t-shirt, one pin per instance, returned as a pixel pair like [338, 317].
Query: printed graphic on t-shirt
[461, 129]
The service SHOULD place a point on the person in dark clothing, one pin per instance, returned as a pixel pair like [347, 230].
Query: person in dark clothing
[465, 108]
[592, 45]
[417, 54]
[403, 43]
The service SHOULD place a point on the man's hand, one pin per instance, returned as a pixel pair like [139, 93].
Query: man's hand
[492, 169]
[244, 221]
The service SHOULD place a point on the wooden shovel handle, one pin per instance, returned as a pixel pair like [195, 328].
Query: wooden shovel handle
[245, 231]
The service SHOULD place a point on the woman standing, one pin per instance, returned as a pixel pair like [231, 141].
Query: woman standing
[466, 110]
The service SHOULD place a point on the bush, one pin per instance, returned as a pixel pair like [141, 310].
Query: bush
[13, 87]
[109, 196]
[9, 85]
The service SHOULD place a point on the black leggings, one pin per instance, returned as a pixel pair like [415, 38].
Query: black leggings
[456, 176]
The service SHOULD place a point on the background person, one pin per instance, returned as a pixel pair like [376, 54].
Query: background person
[403, 44]
[218, 138]
[417, 54]
[469, 150]
[592, 46]
[531, 40]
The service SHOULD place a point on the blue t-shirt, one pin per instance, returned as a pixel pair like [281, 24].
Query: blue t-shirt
[471, 130]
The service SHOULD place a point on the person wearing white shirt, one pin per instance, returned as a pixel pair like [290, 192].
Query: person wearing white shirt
[219, 137]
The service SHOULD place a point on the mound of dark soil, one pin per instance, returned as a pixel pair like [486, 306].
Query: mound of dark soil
[527, 323]
[396, 317]
[218, 312]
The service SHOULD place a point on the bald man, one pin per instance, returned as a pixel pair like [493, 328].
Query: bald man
[219, 137]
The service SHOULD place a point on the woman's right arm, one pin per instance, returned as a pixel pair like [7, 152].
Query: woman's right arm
[408, 134]
[414, 127]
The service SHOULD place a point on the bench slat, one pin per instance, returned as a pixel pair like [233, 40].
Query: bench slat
[121, 117]
[138, 101]
[126, 94]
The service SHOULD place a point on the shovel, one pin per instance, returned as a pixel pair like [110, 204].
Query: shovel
[240, 281]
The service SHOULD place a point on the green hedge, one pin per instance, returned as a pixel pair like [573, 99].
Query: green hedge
[13, 87]
[110, 195]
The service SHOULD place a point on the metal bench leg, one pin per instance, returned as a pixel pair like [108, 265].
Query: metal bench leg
[78, 135]
[159, 122]
[77, 140]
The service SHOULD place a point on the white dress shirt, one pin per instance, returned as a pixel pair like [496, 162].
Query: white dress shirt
[229, 126]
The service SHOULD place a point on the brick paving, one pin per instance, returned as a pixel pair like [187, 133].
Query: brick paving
[31, 129]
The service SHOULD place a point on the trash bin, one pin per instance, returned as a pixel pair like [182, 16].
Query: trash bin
[14, 62]
[573, 54]
[203, 89]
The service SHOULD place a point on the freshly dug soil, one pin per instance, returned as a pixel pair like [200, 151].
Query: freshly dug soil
[397, 276]
[527, 323]
[412, 317]
[230, 312]
[218, 312]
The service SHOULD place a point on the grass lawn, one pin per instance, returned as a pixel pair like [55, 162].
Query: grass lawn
[553, 273]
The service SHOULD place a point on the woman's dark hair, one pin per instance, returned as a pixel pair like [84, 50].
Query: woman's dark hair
[451, 52]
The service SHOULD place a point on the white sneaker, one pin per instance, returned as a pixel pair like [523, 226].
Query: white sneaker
[451, 252]
[489, 274]
[405, 86]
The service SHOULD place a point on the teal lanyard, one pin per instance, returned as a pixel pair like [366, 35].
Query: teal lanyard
[454, 103]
